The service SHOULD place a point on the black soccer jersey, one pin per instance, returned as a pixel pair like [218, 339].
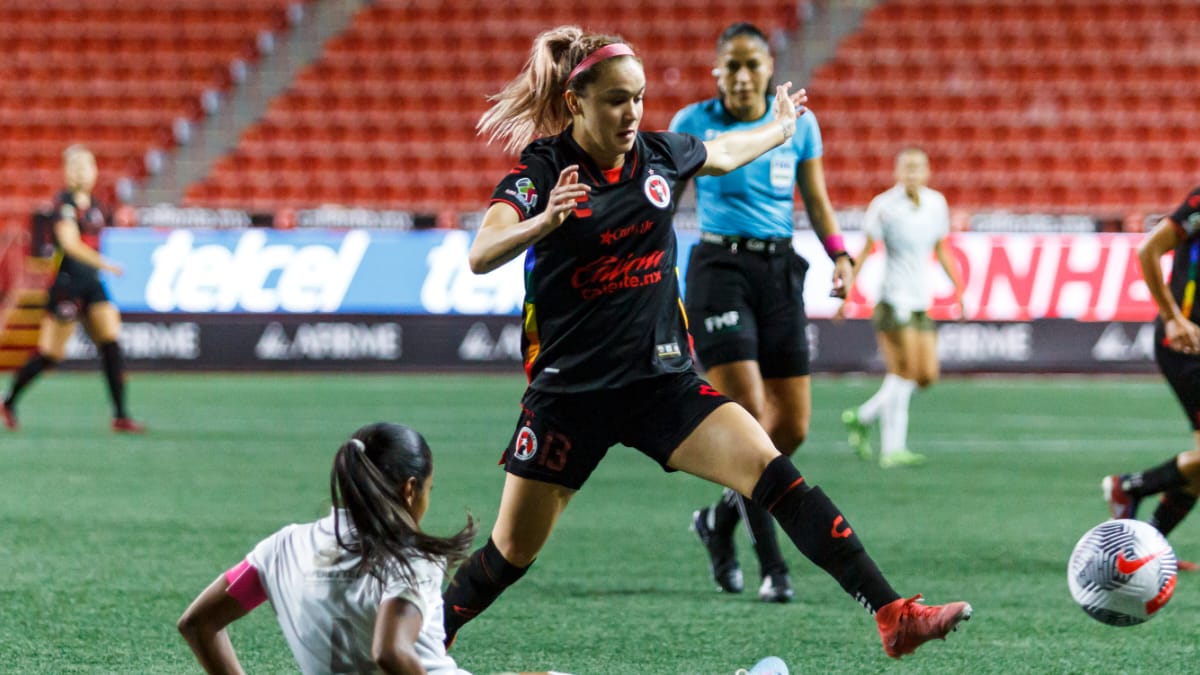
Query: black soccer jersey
[90, 220]
[602, 305]
[1187, 255]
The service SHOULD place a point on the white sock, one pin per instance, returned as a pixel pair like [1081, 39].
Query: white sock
[870, 411]
[893, 425]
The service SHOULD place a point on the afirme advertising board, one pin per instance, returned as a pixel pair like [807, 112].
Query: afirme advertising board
[373, 298]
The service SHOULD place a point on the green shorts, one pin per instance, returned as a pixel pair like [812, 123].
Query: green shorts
[887, 320]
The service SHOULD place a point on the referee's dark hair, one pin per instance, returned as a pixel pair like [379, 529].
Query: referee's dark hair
[739, 29]
[369, 474]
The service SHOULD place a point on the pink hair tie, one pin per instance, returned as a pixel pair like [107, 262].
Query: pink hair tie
[605, 52]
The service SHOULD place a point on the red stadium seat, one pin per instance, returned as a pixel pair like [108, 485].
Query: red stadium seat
[128, 70]
[396, 97]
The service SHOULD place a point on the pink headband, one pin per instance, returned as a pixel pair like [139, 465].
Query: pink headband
[605, 52]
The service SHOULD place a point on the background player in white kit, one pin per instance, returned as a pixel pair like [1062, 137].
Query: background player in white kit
[912, 220]
[359, 591]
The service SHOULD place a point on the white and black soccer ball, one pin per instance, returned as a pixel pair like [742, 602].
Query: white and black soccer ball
[1122, 572]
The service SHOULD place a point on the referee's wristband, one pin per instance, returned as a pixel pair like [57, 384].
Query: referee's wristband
[834, 245]
[839, 254]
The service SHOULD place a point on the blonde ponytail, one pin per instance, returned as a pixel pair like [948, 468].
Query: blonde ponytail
[531, 104]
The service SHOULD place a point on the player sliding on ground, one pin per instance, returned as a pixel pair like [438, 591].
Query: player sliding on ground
[606, 344]
[356, 592]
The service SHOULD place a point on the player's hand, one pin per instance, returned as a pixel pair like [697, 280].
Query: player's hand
[565, 195]
[112, 268]
[843, 277]
[788, 107]
[960, 307]
[1183, 336]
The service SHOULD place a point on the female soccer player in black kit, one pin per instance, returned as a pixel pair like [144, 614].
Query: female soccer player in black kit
[606, 341]
[1177, 351]
[77, 292]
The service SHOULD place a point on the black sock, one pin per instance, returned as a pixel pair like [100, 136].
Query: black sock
[821, 533]
[725, 513]
[766, 544]
[110, 353]
[32, 368]
[476, 584]
[1152, 481]
[1172, 509]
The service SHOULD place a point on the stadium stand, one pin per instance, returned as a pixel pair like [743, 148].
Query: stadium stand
[116, 76]
[113, 75]
[386, 117]
[1030, 105]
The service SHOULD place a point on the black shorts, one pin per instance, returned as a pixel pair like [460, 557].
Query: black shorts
[70, 297]
[561, 438]
[748, 306]
[1183, 374]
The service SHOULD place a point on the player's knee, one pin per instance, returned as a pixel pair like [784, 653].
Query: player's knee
[515, 552]
[1189, 464]
[789, 435]
[926, 379]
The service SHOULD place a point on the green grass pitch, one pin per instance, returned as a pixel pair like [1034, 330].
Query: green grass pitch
[104, 539]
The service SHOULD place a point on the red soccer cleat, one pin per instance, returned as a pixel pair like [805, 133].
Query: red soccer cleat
[1186, 566]
[1121, 504]
[127, 426]
[10, 416]
[905, 625]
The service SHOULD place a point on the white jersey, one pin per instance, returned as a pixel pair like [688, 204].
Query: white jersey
[909, 233]
[327, 612]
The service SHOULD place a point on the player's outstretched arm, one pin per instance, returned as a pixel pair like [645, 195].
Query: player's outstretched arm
[732, 149]
[203, 626]
[503, 235]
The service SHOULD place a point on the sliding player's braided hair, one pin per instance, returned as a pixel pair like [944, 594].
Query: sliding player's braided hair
[368, 478]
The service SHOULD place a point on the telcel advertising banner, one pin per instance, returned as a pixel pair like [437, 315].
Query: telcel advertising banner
[1070, 301]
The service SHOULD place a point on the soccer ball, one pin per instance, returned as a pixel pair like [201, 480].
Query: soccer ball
[1122, 572]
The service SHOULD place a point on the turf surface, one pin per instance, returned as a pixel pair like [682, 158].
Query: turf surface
[106, 538]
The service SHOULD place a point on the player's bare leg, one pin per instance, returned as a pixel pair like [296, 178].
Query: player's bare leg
[528, 511]
[714, 525]
[53, 335]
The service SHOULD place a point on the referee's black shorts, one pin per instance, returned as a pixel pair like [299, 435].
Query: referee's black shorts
[561, 438]
[748, 305]
[70, 297]
[1183, 374]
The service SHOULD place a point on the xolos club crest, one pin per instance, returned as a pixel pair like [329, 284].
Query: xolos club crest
[658, 191]
[525, 446]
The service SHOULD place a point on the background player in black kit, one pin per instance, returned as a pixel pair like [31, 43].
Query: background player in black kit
[1177, 352]
[77, 293]
[606, 342]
